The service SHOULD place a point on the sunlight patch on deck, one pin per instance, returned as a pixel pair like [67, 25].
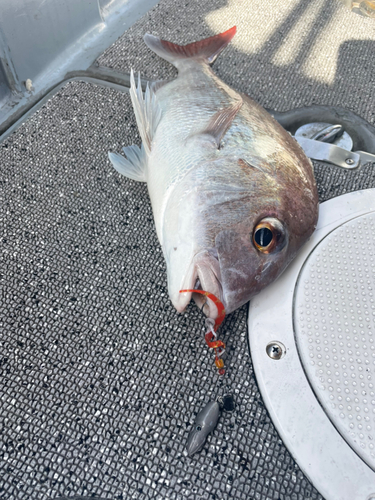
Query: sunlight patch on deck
[312, 34]
[255, 24]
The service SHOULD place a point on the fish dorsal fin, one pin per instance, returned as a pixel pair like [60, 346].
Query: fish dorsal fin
[205, 50]
[147, 111]
[147, 114]
[219, 124]
[134, 165]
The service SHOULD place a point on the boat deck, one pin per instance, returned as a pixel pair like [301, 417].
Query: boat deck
[101, 379]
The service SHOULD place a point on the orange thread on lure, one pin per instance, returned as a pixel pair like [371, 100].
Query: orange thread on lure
[210, 337]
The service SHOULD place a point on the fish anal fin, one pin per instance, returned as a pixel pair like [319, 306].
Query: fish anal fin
[134, 165]
[220, 123]
[206, 50]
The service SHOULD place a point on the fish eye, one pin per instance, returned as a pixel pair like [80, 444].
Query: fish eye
[269, 235]
[199, 428]
[263, 237]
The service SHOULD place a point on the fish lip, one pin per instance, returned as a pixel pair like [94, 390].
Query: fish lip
[181, 301]
[208, 279]
[203, 274]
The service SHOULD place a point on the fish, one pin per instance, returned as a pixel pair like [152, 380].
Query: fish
[233, 194]
[204, 424]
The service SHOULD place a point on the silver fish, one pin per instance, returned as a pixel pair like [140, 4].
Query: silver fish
[204, 424]
[233, 194]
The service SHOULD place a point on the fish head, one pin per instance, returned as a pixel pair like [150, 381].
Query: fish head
[246, 229]
[261, 228]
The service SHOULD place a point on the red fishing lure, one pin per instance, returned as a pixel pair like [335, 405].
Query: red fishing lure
[210, 337]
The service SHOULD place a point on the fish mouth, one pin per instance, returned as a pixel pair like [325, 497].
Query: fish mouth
[205, 276]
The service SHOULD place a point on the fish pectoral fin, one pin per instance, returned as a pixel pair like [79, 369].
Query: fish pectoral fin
[134, 165]
[147, 111]
[220, 123]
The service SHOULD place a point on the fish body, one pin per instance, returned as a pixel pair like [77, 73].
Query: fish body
[204, 424]
[233, 194]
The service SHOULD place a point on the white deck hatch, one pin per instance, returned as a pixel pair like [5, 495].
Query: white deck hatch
[321, 391]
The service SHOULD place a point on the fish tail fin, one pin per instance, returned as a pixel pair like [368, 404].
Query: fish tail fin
[205, 50]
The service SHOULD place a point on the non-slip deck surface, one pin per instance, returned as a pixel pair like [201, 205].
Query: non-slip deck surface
[100, 378]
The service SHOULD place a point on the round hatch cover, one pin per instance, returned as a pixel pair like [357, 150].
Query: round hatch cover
[321, 392]
[334, 319]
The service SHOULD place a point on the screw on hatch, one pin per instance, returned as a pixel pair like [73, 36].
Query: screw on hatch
[349, 161]
[275, 350]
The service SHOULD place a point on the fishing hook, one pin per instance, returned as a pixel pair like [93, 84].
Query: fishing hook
[211, 337]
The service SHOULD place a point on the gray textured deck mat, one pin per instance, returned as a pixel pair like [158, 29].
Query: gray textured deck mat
[100, 377]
